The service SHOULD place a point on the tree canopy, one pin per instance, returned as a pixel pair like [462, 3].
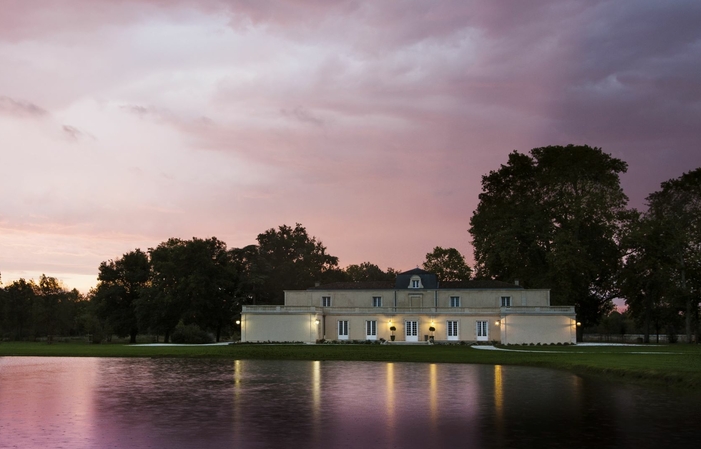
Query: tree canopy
[674, 215]
[448, 264]
[285, 258]
[367, 271]
[193, 281]
[120, 283]
[553, 219]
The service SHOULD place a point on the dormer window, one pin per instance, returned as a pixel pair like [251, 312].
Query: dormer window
[415, 282]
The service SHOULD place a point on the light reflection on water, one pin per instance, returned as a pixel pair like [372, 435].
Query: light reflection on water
[178, 403]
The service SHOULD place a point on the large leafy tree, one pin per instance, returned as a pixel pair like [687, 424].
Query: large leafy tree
[553, 219]
[448, 264]
[285, 258]
[18, 298]
[192, 281]
[367, 271]
[675, 213]
[120, 283]
[54, 308]
[646, 277]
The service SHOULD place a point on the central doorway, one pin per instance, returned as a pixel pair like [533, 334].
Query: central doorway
[411, 331]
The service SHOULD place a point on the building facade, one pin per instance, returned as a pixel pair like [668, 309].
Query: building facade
[414, 308]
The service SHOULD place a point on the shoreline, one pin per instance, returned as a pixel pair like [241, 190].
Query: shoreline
[675, 367]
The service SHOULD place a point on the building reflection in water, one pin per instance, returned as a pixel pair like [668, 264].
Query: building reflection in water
[498, 399]
[316, 401]
[433, 398]
[391, 406]
[238, 403]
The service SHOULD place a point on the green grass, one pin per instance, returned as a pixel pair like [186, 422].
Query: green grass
[675, 366]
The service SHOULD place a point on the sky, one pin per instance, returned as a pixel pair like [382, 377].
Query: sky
[126, 122]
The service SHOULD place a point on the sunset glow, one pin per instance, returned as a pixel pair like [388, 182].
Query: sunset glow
[125, 123]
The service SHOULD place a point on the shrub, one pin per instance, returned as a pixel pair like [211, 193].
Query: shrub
[190, 333]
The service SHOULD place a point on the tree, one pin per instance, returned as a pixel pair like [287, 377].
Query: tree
[17, 307]
[553, 219]
[448, 264]
[367, 271]
[53, 310]
[120, 283]
[675, 212]
[193, 281]
[287, 258]
[645, 278]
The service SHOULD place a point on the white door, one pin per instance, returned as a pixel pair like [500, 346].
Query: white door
[482, 331]
[343, 330]
[411, 330]
[371, 330]
[452, 330]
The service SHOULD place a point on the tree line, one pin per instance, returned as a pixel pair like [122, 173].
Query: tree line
[195, 284]
[553, 218]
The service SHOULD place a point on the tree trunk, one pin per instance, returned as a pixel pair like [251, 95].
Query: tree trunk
[646, 330]
[132, 336]
[166, 337]
[218, 332]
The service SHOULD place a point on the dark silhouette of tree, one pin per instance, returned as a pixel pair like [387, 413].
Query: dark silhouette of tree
[193, 281]
[674, 212]
[120, 283]
[367, 271]
[17, 300]
[553, 219]
[287, 259]
[447, 264]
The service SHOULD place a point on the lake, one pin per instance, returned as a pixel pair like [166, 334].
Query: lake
[189, 403]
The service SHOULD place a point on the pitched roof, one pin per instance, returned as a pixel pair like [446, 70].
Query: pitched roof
[478, 284]
[416, 270]
[367, 285]
[445, 285]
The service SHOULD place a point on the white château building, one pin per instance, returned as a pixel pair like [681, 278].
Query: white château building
[414, 308]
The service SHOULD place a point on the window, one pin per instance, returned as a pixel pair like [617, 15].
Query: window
[343, 330]
[325, 301]
[452, 329]
[506, 301]
[482, 331]
[454, 301]
[371, 330]
[377, 301]
[415, 282]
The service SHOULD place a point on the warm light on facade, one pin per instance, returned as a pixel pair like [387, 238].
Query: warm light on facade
[316, 321]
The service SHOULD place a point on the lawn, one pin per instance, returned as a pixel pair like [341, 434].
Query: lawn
[676, 366]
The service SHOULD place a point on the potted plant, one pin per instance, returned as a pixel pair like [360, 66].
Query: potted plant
[432, 330]
[392, 328]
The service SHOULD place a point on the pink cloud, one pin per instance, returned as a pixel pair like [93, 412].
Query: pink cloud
[369, 122]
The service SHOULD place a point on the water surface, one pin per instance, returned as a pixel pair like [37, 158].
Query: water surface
[181, 403]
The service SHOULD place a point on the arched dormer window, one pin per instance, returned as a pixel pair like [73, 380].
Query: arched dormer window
[415, 282]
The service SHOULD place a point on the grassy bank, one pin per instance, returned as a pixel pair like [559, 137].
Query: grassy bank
[675, 366]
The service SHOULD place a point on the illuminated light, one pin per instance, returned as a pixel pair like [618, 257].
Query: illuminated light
[497, 322]
[238, 322]
[578, 323]
[316, 321]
